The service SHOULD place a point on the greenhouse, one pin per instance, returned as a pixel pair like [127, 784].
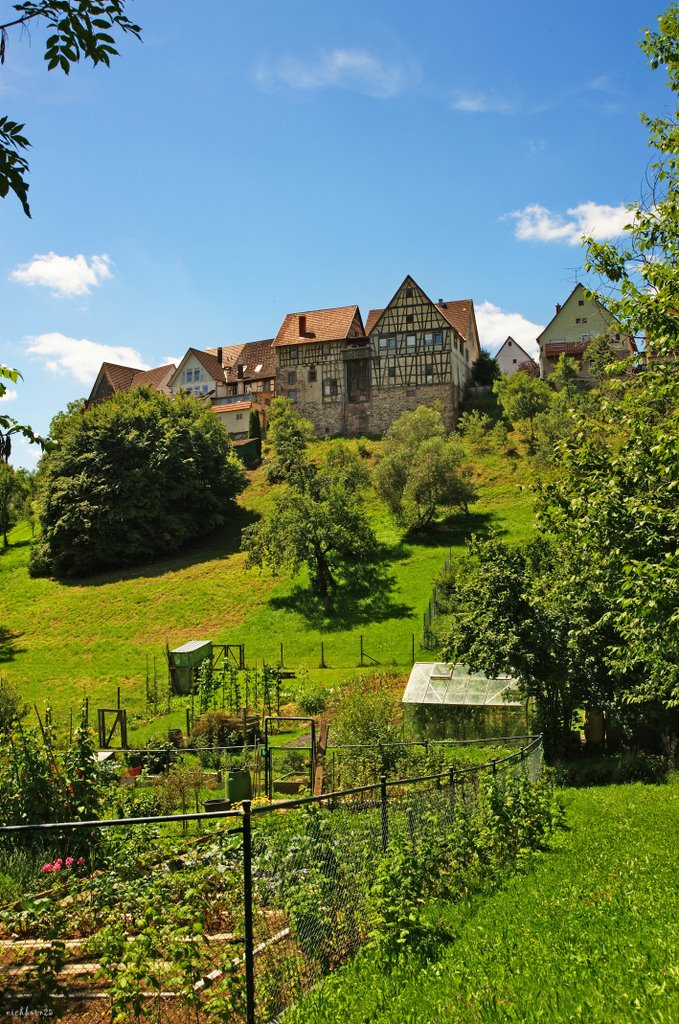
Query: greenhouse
[443, 701]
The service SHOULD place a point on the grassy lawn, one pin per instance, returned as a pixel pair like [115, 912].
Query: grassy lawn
[590, 934]
[62, 641]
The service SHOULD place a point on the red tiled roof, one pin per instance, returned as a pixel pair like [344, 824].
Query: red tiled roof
[156, 378]
[256, 354]
[209, 363]
[232, 406]
[457, 314]
[373, 317]
[120, 377]
[321, 325]
[230, 353]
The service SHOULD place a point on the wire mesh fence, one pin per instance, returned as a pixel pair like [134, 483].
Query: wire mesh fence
[220, 916]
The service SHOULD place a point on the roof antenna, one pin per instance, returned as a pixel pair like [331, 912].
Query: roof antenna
[575, 271]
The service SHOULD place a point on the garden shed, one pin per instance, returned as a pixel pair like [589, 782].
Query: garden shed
[449, 702]
[183, 663]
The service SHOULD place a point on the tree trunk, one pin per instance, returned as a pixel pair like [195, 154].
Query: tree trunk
[324, 579]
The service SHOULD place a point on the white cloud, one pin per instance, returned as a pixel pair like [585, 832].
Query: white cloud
[355, 70]
[24, 453]
[65, 276]
[537, 223]
[79, 357]
[474, 102]
[10, 395]
[495, 326]
[167, 360]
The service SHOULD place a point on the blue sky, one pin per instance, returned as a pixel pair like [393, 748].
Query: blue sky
[250, 159]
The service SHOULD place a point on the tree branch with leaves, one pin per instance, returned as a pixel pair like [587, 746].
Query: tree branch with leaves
[78, 30]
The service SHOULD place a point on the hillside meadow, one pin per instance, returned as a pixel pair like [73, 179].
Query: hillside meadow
[62, 641]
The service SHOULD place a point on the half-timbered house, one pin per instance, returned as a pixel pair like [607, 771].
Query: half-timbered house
[351, 380]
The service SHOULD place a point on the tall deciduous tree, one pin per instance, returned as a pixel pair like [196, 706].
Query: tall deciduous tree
[317, 520]
[78, 29]
[422, 471]
[522, 611]
[612, 512]
[640, 274]
[288, 435]
[485, 369]
[133, 478]
[522, 398]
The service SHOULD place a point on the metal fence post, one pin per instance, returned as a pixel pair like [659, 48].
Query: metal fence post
[247, 920]
[384, 812]
[451, 784]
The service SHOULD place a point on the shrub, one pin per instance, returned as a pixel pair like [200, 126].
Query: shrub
[614, 769]
[12, 707]
[156, 756]
[474, 427]
[312, 700]
[217, 729]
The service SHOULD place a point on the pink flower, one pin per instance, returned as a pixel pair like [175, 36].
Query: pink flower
[81, 861]
[57, 865]
[69, 862]
[46, 867]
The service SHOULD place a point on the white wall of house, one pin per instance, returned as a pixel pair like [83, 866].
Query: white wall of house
[192, 376]
[510, 357]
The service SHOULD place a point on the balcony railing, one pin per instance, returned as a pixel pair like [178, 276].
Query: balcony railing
[357, 352]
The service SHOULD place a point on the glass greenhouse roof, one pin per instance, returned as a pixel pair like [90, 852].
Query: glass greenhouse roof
[439, 683]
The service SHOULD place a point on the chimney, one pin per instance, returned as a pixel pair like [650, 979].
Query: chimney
[302, 325]
[239, 371]
[558, 307]
[219, 355]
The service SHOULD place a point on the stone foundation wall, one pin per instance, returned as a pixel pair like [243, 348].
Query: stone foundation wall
[332, 417]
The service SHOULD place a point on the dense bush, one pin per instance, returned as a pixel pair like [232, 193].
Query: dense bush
[155, 757]
[12, 707]
[614, 769]
[130, 479]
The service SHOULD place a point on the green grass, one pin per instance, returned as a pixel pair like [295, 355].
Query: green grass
[62, 641]
[590, 934]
